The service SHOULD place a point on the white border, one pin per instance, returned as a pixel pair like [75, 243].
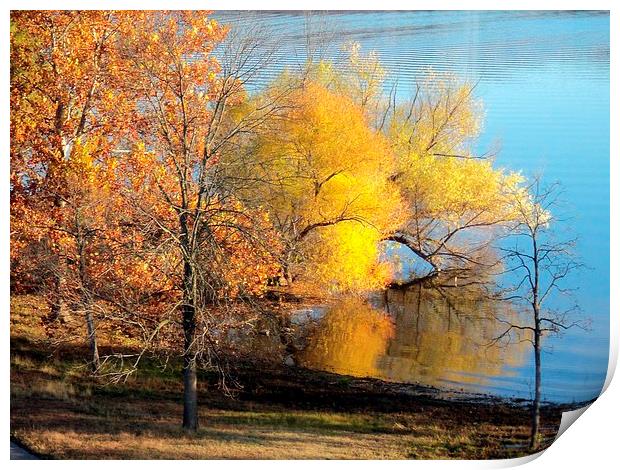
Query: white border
[590, 444]
[317, 5]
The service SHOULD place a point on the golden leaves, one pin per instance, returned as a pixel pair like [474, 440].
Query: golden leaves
[336, 172]
[113, 114]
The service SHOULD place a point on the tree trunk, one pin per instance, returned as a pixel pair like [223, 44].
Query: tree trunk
[86, 302]
[286, 272]
[56, 303]
[190, 396]
[536, 404]
[56, 311]
[537, 338]
[92, 337]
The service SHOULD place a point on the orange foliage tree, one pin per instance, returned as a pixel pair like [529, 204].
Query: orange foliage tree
[192, 112]
[119, 123]
[65, 122]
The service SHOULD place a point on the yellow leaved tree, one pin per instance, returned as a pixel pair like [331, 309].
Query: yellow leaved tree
[457, 202]
[330, 193]
[453, 203]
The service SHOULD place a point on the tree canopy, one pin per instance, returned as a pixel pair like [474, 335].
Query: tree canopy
[153, 183]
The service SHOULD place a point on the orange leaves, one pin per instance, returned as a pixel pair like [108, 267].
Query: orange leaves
[68, 115]
[114, 187]
[247, 260]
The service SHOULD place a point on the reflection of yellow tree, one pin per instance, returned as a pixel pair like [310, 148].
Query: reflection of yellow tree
[429, 336]
[349, 339]
[447, 335]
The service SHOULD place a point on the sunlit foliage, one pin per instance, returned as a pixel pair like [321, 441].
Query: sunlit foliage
[332, 198]
[457, 201]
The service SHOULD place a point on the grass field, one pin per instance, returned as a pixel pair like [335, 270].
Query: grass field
[58, 410]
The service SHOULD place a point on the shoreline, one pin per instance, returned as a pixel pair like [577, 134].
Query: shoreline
[56, 407]
[420, 390]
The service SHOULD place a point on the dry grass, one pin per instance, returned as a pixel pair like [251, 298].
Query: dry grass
[104, 430]
[57, 418]
[59, 411]
[216, 442]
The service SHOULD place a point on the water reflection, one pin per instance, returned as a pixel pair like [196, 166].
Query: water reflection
[436, 337]
[349, 339]
[535, 69]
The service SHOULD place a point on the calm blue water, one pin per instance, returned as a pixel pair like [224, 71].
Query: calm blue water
[544, 81]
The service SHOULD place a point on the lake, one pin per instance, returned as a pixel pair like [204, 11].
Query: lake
[544, 81]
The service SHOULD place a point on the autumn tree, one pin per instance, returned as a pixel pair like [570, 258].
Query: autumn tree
[328, 194]
[125, 137]
[194, 113]
[539, 264]
[457, 202]
[64, 122]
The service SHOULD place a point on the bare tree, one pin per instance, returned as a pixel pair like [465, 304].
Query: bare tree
[538, 265]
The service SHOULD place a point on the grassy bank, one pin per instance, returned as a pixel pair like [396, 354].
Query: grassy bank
[59, 411]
